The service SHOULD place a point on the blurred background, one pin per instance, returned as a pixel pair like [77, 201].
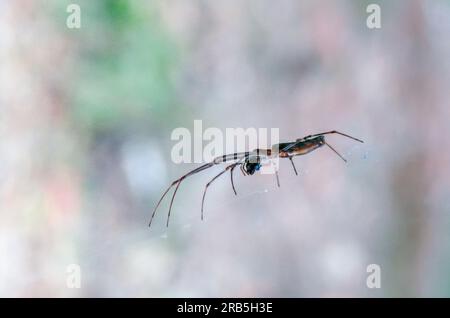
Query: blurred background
[86, 117]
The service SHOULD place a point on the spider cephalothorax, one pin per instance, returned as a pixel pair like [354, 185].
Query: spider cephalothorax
[251, 165]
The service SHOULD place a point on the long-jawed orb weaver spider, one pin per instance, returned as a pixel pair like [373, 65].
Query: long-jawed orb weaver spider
[250, 162]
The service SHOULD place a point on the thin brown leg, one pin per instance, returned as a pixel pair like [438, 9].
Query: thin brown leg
[178, 185]
[212, 180]
[278, 179]
[171, 201]
[243, 171]
[201, 168]
[159, 202]
[293, 165]
[177, 182]
[232, 182]
[336, 152]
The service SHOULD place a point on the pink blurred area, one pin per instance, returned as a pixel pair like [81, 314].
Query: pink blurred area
[85, 148]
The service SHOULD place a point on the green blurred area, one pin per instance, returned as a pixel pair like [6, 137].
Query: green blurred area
[127, 67]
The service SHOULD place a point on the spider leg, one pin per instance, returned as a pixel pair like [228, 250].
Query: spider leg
[293, 165]
[171, 201]
[336, 152]
[159, 202]
[212, 180]
[201, 168]
[278, 179]
[216, 161]
[243, 171]
[232, 182]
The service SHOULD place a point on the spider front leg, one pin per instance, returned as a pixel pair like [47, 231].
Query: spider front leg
[232, 182]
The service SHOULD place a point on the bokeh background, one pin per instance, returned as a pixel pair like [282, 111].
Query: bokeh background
[85, 122]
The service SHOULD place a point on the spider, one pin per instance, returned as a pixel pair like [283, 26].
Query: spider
[250, 162]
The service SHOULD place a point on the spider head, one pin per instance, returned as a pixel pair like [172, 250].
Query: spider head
[251, 165]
